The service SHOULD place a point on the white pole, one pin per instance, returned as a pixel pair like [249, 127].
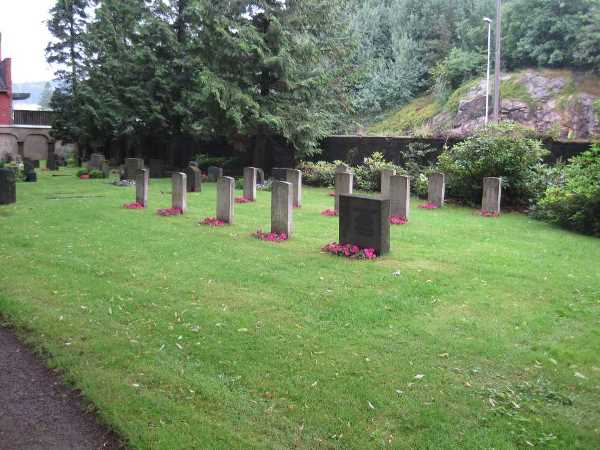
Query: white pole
[498, 63]
[487, 85]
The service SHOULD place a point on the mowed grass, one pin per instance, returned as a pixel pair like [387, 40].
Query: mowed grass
[472, 333]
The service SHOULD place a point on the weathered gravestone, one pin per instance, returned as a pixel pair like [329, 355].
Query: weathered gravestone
[492, 194]
[51, 162]
[384, 176]
[179, 191]
[105, 169]
[8, 187]
[364, 221]
[294, 176]
[279, 174]
[194, 178]
[342, 168]
[29, 170]
[436, 189]
[250, 175]
[214, 173]
[399, 196]
[96, 160]
[141, 187]
[260, 176]
[225, 199]
[343, 185]
[282, 208]
[132, 165]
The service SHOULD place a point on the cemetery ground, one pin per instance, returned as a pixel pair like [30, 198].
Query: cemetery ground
[472, 333]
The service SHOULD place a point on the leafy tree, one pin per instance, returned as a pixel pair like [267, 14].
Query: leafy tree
[46, 96]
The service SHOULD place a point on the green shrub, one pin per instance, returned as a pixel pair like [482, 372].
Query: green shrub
[505, 150]
[575, 203]
[239, 184]
[81, 172]
[366, 176]
[96, 174]
[321, 173]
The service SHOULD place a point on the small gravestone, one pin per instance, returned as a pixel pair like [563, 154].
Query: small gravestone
[250, 175]
[132, 165]
[364, 221]
[105, 169]
[342, 168]
[282, 207]
[96, 160]
[141, 187]
[385, 175]
[194, 178]
[436, 189]
[295, 177]
[179, 191]
[279, 174]
[29, 170]
[225, 199]
[260, 176]
[8, 187]
[343, 185]
[399, 196]
[492, 194]
[51, 162]
[214, 173]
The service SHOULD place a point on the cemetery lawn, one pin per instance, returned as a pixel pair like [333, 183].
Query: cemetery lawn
[472, 333]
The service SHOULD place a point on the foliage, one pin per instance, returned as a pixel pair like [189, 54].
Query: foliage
[408, 118]
[575, 202]
[504, 150]
[368, 174]
[458, 67]
[321, 173]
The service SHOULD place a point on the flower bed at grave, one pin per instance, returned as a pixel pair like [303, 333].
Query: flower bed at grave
[484, 213]
[329, 213]
[213, 222]
[398, 220]
[349, 251]
[85, 176]
[169, 212]
[271, 237]
[332, 194]
[242, 200]
[134, 205]
[428, 206]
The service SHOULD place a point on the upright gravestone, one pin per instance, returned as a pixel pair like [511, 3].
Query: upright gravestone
[105, 169]
[179, 191]
[343, 185]
[225, 199]
[436, 189]
[141, 187]
[399, 196]
[342, 168]
[282, 207]
[132, 165]
[364, 221]
[96, 160]
[51, 162]
[250, 175]
[8, 187]
[194, 178]
[492, 194]
[260, 176]
[294, 176]
[29, 170]
[385, 175]
[279, 174]
[214, 173]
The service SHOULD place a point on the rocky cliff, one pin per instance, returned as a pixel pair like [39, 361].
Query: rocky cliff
[555, 103]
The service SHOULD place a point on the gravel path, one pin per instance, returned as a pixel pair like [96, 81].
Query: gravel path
[37, 411]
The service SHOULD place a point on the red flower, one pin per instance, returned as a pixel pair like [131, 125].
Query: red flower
[271, 237]
[242, 200]
[169, 212]
[329, 213]
[428, 206]
[488, 213]
[349, 251]
[213, 222]
[134, 205]
[398, 220]
[85, 176]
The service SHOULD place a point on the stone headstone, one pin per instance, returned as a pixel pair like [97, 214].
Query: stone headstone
[8, 187]
[225, 199]
[260, 176]
[492, 194]
[51, 162]
[294, 176]
[436, 189]
[250, 175]
[106, 169]
[96, 160]
[141, 187]
[342, 168]
[399, 196]
[194, 179]
[179, 191]
[29, 170]
[343, 185]
[364, 221]
[132, 165]
[279, 174]
[384, 176]
[214, 173]
[282, 207]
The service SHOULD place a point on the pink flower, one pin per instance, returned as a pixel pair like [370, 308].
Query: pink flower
[85, 176]
[329, 213]
[213, 222]
[398, 220]
[369, 253]
[332, 194]
[485, 213]
[134, 205]
[349, 251]
[271, 237]
[428, 206]
[169, 212]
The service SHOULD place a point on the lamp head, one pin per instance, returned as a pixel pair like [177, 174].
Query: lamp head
[487, 20]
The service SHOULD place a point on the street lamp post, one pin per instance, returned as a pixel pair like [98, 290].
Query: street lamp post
[498, 63]
[489, 55]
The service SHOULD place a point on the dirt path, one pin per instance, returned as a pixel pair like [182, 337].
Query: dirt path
[37, 411]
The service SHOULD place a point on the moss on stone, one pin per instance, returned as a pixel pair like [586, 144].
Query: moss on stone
[406, 120]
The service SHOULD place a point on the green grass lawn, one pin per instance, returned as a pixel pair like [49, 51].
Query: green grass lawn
[472, 333]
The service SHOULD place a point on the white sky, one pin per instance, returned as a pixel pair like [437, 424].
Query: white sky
[24, 38]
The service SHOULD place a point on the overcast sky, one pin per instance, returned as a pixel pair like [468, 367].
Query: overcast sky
[24, 38]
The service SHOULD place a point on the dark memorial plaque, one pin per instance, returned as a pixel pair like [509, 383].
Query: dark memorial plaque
[364, 222]
[8, 190]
